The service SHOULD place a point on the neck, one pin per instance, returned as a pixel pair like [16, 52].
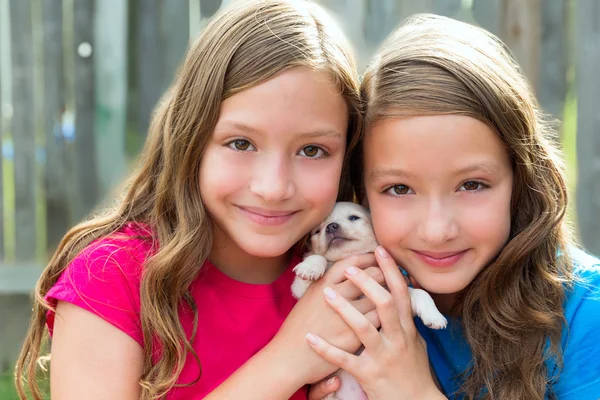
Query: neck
[234, 262]
[445, 303]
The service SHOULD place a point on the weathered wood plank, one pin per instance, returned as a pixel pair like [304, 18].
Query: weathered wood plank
[521, 32]
[85, 153]
[176, 33]
[14, 314]
[588, 123]
[111, 92]
[208, 8]
[57, 200]
[487, 14]
[349, 15]
[448, 8]
[3, 51]
[380, 18]
[552, 85]
[23, 128]
[19, 277]
[149, 68]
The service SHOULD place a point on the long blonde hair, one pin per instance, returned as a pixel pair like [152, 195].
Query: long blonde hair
[243, 46]
[434, 65]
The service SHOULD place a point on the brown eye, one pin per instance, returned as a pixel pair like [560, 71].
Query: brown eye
[472, 186]
[312, 152]
[241, 144]
[400, 189]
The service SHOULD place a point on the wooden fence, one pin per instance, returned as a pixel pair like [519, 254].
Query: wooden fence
[79, 78]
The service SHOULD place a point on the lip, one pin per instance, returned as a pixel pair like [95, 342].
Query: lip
[267, 217]
[440, 259]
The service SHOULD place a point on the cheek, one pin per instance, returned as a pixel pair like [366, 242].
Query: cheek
[391, 223]
[220, 175]
[319, 183]
[490, 223]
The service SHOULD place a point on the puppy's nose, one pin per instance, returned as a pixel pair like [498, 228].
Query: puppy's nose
[332, 227]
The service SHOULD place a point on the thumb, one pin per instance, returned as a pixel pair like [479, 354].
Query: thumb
[322, 388]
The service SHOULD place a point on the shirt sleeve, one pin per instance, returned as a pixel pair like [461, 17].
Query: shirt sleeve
[104, 279]
[580, 377]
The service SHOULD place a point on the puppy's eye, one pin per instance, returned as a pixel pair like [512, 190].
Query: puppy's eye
[353, 218]
[316, 232]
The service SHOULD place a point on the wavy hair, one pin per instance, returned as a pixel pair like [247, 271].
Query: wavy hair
[435, 65]
[243, 46]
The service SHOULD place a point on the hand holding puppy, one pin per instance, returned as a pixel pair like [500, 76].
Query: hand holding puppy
[394, 364]
[294, 357]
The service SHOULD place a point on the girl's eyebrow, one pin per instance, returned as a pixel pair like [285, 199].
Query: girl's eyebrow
[379, 173]
[239, 126]
[487, 167]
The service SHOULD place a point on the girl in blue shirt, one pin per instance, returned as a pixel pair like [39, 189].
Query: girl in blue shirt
[467, 194]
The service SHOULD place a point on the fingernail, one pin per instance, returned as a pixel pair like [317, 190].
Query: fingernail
[352, 271]
[329, 293]
[381, 251]
[312, 339]
[331, 381]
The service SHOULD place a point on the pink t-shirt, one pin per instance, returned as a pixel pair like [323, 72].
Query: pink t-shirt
[235, 319]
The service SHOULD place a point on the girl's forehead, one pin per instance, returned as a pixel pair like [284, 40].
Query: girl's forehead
[297, 100]
[415, 145]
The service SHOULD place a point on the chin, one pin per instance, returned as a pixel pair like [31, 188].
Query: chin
[431, 286]
[267, 249]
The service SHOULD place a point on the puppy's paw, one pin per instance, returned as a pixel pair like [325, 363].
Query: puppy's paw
[312, 268]
[434, 320]
[424, 306]
[300, 286]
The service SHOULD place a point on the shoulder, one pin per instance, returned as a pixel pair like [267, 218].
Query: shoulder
[583, 297]
[104, 278]
[122, 253]
[581, 354]
[585, 289]
[585, 265]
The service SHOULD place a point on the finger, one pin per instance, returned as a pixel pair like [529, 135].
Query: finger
[322, 388]
[398, 288]
[335, 274]
[333, 355]
[363, 305]
[384, 301]
[364, 330]
[373, 318]
[350, 291]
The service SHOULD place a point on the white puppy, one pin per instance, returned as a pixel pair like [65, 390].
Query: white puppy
[348, 231]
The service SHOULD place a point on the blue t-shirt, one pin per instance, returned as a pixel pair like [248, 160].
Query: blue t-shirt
[579, 379]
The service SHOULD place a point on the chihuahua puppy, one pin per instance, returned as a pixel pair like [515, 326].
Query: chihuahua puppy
[348, 231]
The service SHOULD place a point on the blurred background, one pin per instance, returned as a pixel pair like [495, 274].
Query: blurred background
[79, 80]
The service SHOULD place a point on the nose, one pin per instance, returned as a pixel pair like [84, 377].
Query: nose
[331, 228]
[272, 180]
[439, 224]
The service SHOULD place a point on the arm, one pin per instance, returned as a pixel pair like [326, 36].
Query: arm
[266, 376]
[287, 363]
[91, 358]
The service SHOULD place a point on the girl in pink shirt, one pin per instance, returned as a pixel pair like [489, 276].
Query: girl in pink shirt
[183, 288]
